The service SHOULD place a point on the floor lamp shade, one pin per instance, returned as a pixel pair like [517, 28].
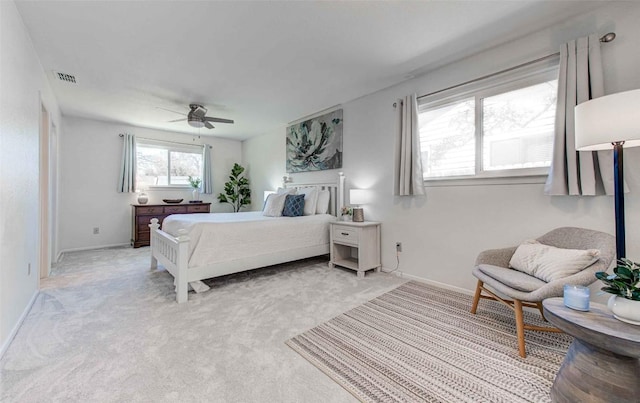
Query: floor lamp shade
[612, 121]
[603, 121]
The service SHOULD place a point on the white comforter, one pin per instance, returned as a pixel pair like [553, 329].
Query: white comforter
[222, 237]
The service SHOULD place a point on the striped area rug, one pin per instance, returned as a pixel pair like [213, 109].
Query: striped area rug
[420, 343]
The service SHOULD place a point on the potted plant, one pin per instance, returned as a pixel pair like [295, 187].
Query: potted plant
[194, 182]
[236, 190]
[346, 213]
[624, 284]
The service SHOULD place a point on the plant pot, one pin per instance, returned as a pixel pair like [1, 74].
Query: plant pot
[626, 310]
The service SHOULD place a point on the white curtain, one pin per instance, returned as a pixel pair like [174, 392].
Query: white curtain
[581, 79]
[408, 181]
[207, 180]
[127, 179]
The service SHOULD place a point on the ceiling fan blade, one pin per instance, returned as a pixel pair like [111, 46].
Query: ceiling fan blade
[208, 125]
[217, 120]
[177, 120]
[169, 110]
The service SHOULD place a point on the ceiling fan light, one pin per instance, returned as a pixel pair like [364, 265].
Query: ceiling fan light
[196, 123]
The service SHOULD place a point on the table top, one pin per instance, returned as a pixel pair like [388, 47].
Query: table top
[355, 223]
[597, 327]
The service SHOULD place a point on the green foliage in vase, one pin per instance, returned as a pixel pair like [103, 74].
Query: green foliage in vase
[625, 282]
[236, 190]
[194, 182]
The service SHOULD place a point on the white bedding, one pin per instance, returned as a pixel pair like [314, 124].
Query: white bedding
[223, 237]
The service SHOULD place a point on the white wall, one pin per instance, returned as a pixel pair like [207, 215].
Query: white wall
[90, 156]
[23, 86]
[443, 232]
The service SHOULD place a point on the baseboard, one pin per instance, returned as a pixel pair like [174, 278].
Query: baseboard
[14, 331]
[431, 282]
[115, 245]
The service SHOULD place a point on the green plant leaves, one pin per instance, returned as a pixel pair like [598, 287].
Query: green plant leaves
[236, 191]
[625, 282]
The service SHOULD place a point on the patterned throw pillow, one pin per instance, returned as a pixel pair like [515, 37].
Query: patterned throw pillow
[293, 206]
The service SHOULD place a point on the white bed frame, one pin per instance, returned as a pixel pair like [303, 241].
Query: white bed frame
[173, 252]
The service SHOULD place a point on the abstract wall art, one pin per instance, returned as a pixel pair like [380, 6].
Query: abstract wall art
[315, 144]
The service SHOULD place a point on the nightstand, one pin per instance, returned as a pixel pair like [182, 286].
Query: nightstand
[355, 245]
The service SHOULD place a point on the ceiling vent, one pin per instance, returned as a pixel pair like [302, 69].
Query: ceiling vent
[68, 78]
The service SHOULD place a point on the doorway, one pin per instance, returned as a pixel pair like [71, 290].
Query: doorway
[44, 204]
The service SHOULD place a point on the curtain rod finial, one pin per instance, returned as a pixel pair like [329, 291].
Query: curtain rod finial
[608, 37]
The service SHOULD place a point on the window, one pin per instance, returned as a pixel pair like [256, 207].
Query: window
[502, 129]
[166, 164]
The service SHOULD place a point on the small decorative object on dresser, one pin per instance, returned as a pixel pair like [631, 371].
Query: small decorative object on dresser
[142, 214]
[143, 198]
[195, 182]
[355, 245]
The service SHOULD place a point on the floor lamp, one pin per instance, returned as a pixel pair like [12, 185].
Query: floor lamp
[611, 122]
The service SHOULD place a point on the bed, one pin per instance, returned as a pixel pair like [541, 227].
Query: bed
[194, 247]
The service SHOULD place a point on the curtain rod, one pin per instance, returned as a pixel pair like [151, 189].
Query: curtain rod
[172, 142]
[604, 39]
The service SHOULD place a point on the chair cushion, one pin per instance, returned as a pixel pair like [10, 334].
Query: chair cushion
[512, 278]
[549, 263]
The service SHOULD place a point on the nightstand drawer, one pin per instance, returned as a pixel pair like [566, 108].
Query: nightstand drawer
[198, 209]
[148, 210]
[175, 209]
[345, 234]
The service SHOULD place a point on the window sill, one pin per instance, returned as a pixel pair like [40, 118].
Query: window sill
[487, 181]
[170, 187]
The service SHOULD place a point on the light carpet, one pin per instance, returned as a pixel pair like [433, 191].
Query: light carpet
[421, 343]
[106, 329]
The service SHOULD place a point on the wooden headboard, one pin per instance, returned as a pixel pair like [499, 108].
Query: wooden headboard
[336, 191]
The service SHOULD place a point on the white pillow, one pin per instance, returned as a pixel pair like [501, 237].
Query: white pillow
[310, 199]
[274, 205]
[323, 202]
[288, 191]
[549, 263]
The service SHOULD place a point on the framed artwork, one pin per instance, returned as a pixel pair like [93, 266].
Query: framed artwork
[315, 144]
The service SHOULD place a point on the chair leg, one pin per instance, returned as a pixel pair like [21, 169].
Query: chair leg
[520, 327]
[476, 297]
[539, 305]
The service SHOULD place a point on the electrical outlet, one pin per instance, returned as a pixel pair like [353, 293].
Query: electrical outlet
[96, 230]
[398, 246]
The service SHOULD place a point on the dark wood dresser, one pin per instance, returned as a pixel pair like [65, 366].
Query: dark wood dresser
[143, 213]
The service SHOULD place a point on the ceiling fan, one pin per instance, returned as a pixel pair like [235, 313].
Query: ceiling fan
[196, 117]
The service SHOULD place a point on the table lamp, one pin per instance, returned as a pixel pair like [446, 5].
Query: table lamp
[611, 122]
[358, 197]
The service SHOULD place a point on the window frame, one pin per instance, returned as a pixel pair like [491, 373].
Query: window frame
[530, 75]
[171, 147]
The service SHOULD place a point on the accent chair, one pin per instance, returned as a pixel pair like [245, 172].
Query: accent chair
[492, 269]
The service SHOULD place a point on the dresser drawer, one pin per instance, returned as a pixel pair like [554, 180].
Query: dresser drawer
[144, 236]
[175, 209]
[344, 234]
[198, 209]
[149, 210]
[146, 220]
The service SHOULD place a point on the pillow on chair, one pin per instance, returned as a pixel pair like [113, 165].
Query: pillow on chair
[549, 263]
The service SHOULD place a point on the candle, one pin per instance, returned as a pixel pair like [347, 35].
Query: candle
[576, 297]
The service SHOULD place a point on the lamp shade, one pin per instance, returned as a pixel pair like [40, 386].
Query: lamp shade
[358, 196]
[605, 120]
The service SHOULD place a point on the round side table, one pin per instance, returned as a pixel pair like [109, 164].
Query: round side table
[603, 362]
